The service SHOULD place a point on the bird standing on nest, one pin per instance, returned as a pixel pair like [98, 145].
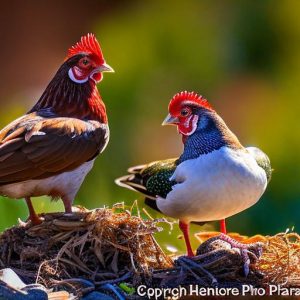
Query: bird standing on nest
[214, 178]
[50, 150]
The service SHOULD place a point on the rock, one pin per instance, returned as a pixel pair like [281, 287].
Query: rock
[13, 288]
[11, 278]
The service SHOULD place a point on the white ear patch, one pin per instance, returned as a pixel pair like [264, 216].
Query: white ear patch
[194, 123]
[189, 126]
[73, 78]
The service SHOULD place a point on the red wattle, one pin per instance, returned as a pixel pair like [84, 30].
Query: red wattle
[97, 77]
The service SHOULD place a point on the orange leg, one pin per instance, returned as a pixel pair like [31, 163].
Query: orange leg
[184, 227]
[33, 217]
[223, 226]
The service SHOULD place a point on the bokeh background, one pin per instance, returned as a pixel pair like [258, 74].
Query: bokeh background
[244, 56]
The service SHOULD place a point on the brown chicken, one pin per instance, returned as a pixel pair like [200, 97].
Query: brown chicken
[50, 150]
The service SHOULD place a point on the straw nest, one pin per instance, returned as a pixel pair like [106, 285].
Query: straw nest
[114, 246]
[279, 263]
[99, 245]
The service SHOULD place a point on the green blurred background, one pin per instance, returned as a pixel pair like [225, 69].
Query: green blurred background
[243, 56]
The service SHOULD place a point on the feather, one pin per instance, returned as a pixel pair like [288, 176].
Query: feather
[152, 180]
[63, 146]
[262, 160]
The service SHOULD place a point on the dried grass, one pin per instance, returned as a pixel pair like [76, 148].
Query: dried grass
[116, 245]
[280, 260]
[99, 245]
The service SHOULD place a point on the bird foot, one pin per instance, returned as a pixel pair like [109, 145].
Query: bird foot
[74, 209]
[190, 253]
[68, 214]
[250, 253]
[35, 219]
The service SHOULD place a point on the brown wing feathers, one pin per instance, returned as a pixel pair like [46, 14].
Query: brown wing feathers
[34, 147]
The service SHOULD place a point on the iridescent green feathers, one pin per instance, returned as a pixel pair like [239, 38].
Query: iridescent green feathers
[152, 179]
[262, 160]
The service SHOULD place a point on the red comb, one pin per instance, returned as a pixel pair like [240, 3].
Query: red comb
[190, 97]
[88, 45]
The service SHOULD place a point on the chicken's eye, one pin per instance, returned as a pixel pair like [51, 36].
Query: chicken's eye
[84, 62]
[185, 112]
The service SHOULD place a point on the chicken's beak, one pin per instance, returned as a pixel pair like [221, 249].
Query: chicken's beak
[169, 120]
[105, 68]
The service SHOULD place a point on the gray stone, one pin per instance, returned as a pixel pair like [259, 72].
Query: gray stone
[11, 278]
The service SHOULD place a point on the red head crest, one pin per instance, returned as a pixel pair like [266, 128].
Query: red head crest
[181, 112]
[88, 45]
[187, 98]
